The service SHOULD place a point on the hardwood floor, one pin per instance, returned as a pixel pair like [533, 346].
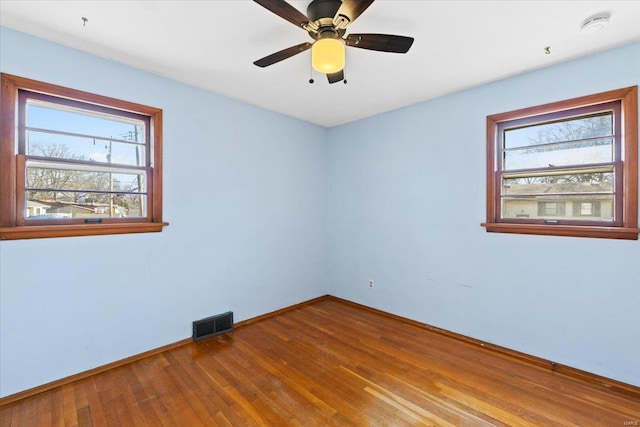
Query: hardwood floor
[328, 363]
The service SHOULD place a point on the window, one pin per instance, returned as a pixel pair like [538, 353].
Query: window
[568, 168]
[546, 209]
[587, 209]
[75, 163]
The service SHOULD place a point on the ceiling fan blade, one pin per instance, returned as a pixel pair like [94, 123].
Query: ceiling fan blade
[336, 77]
[353, 8]
[284, 10]
[380, 42]
[282, 55]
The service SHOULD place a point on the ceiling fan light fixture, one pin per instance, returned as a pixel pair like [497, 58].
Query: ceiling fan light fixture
[328, 55]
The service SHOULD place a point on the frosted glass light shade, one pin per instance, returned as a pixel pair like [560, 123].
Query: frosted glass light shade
[328, 56]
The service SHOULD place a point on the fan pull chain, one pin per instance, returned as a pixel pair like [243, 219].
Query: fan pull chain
[311, 74]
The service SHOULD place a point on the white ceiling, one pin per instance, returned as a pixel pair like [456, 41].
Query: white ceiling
[212, 45]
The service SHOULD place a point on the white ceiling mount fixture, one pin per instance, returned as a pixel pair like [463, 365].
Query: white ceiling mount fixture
[595, 23]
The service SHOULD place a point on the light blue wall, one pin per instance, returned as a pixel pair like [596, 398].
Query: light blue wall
[244, 191]
[406, 199]
[251, 230]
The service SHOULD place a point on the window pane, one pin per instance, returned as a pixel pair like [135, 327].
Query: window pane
[566, 183]
[569, 208]
[568, 130]
[78, 148]
[67, 205]
[78, 180]
[47, 116]
[570, 153]
[586, 208]
[551, 208]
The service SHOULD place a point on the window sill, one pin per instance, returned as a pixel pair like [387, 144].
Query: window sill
[46, 231]
[565, 230]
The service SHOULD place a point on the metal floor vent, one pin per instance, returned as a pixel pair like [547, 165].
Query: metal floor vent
[214, 325]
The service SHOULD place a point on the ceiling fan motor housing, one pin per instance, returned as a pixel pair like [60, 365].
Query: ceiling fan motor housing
[320, 10]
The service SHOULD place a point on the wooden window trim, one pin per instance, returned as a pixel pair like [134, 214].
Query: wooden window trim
[11, 224]
[628, 98]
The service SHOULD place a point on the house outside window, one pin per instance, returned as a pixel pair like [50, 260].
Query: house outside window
[567, 168]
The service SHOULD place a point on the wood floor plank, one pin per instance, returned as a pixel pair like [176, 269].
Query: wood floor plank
[328, 363]
[57, 407]
[168, 404]
[18, 417]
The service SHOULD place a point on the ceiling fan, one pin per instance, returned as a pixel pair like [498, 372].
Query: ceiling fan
[326, 22]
